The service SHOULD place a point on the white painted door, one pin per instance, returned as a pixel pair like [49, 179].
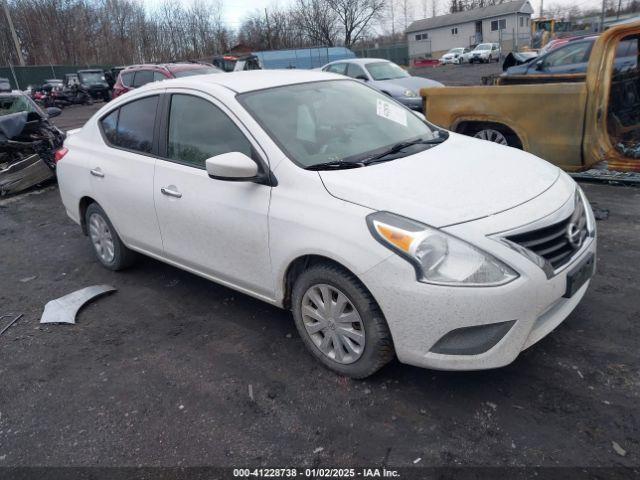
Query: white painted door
[122, 173]
[219, 228]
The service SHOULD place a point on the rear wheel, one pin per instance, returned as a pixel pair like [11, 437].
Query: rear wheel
[340, 322]
[492, 132]
[109, 249]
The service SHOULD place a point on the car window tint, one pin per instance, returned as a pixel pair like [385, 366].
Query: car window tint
[135, 125]
[158, 77]
[142, 78]
[127, 79]
[199, 130]
[354, 71]
[109, 125]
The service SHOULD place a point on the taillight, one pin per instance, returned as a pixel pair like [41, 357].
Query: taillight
[59, 155]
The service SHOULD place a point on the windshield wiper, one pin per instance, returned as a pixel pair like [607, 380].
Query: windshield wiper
[398, 147]
[334, 165]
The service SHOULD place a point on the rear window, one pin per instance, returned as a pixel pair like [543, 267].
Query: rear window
[131, 126]
[142, 77]
[127, 79]
[195, 71]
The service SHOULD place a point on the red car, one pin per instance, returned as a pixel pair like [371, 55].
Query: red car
[138, 75]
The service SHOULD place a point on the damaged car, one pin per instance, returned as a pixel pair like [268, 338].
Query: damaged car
[572, 119]
[28, 142]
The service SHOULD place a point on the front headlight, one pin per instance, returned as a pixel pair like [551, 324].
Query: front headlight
[438, 257]
[409, 93]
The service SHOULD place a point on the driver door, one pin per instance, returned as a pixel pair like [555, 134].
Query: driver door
[215, 228]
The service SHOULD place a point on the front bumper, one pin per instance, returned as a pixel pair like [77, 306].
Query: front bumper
[419, 314]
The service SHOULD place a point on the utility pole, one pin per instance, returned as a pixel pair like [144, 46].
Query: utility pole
[16, 43]
[618, 12]
[604, 2]
[541, 8]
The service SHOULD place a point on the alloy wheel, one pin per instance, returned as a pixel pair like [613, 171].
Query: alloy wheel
[492, 135]
[102, 238]
[333, 323]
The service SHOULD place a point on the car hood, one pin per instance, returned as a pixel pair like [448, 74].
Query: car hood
[460, 180]
[398, 85]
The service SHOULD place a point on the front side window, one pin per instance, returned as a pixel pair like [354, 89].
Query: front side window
[142, 77]
[355, 71]
[131, 126]
[340, 68]
[385, 71]
[199, 130]
[333, 121]
[568, 55]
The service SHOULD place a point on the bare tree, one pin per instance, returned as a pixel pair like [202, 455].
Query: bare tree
[355, 17]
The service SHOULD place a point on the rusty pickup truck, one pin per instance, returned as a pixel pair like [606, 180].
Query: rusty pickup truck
[574, 121]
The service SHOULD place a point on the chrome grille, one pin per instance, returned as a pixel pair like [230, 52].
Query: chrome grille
[558, 242]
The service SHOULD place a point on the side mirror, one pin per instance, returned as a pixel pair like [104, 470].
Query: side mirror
[53, 112]
[362, 77]
[235, 167]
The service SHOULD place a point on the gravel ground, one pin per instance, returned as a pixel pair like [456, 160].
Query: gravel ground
[160, 372]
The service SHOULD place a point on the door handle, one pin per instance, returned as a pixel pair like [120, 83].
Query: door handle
[97, 172]
[170, 193]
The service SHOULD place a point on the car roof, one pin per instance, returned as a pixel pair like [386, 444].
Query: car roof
[360, 61]
[172, 67]
[247, 80]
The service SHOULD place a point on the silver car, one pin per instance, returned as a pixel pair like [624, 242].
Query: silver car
[386, 76]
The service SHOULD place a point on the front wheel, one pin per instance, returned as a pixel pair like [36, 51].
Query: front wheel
[340, 322]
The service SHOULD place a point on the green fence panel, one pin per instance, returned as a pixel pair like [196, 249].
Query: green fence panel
[22, 77]
[398, 53]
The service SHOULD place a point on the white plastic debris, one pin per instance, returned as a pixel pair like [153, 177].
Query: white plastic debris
[318, 450]
[618, 449]
[65, 309]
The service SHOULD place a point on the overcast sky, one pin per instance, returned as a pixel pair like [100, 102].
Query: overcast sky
[236, 10]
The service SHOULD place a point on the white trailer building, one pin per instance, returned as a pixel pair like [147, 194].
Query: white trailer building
[508, 23]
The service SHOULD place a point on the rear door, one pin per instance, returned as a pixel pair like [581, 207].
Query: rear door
[122, 172]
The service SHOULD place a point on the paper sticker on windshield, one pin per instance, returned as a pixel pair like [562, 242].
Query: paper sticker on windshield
[391, 112]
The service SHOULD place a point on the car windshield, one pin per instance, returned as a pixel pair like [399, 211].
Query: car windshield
[456, 50]
[484, 46]
[91, 77]
[195, 71]
[385, 71]
[17, 103]
[334, 121]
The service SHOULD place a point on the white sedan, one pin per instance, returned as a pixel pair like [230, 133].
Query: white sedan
[382, 233]
[455, 56]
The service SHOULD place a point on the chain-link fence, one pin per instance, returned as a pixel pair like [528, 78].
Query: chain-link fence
[514, 42]
[21, 77]
[397, 53]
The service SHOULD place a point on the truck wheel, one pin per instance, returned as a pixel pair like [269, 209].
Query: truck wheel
[493, 133]
[340, 322]
[109, 249]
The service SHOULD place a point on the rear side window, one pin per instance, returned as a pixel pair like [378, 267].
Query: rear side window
[127, 79]
[109, 125]
[131, 126]
[142, 77]
[158, 77]
[199, 130]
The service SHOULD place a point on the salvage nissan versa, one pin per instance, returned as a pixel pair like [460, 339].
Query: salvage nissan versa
[384, 234]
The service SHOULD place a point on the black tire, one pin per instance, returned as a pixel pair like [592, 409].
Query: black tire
[123, 257]
[378, 348]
